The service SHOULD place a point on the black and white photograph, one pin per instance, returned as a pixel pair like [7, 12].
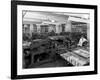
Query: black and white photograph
[53, 39]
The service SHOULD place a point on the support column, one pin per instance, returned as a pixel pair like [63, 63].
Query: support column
[57, 28]
[38, 28]
[60, 28]
[68, 26]
[24, 28]
[31, 29]
[88, 31]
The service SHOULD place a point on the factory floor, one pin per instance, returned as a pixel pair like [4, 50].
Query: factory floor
[59, 62]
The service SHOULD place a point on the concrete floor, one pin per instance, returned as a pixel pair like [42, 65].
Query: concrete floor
[59, 62]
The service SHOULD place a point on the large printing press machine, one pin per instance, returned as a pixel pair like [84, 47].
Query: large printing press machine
[48, 48]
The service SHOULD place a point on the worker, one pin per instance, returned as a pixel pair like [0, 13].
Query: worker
[82, 40]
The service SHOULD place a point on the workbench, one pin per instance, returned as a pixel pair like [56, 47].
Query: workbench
[77, 57]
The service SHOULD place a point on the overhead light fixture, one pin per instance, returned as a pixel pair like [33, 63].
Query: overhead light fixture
[53, 21]
[85, 16]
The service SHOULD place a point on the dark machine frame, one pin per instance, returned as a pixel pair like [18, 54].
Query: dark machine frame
[14, 15]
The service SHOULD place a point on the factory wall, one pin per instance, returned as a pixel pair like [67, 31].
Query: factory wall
[57, 28]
